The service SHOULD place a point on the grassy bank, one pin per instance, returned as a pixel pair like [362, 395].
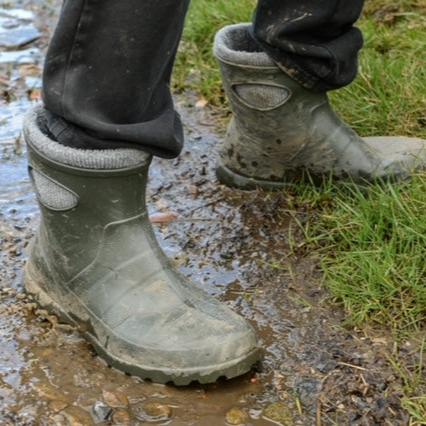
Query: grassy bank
[372, 246]
[372, 242]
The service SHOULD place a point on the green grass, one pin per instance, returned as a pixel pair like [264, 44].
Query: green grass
[372, 242]
[388, 97]
[196, 68]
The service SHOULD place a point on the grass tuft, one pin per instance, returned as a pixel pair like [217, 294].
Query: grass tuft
[373, 242]
[196, 68]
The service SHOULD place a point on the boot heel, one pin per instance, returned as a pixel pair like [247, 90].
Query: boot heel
[33, 284]
[234, 180]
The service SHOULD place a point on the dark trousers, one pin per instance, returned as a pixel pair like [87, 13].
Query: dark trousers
[108, 67]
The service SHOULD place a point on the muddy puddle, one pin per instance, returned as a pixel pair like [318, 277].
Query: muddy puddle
[235, 245]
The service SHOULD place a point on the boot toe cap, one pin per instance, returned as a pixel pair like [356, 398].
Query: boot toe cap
[186, 343]
[405, 153]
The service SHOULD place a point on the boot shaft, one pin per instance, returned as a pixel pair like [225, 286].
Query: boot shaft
[78, 201]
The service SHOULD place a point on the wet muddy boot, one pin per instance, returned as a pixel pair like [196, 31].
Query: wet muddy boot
[96, 263]
[281, 132]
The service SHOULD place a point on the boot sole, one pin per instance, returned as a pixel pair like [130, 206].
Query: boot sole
[235, 180]
[179, 377]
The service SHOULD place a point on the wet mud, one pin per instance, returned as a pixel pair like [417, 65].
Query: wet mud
[241, 247]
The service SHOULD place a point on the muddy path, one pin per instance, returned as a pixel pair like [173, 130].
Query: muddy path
[236, 245]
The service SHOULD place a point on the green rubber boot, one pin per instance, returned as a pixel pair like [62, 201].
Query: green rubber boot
[96, 263]
[281, 132]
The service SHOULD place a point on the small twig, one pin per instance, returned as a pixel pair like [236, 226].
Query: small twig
[319, 423]
[195, 220]
[299, 406]
[206, 205]
[366, 385]
[352, 366]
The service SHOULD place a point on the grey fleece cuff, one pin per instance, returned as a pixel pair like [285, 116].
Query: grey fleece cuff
[233, 44]
[35, 132]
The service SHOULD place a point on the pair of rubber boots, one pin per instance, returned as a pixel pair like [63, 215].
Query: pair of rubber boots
[95, 261]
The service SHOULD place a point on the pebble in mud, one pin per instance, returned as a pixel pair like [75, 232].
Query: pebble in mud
[16, 28]
[236, 416]
[17, 37]
[152, 412]
[101, 412]
[279, 413]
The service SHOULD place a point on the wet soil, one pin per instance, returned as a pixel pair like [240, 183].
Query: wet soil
[241, 247]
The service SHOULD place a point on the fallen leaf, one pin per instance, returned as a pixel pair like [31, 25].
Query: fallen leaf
[163, 218]
[201, 103]
[57, 405]
[115, 400]
[121, 417]
[35, 95]
[236, 416]
[156, 410]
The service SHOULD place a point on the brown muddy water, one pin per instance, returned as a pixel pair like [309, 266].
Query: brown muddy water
[236, 245]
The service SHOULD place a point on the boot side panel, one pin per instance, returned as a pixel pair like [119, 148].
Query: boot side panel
[102, 198]
[268, 131]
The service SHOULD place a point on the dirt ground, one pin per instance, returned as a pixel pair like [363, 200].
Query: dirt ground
[235, 245]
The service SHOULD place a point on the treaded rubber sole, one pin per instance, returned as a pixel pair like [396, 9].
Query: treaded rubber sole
[235, 180]
[179, 377]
